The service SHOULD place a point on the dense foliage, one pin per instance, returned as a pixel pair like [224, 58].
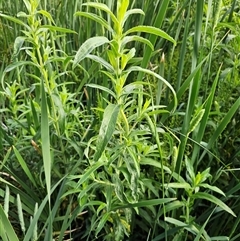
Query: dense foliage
[119, 120]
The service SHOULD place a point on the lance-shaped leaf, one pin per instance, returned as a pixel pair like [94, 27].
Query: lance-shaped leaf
[107, 128]
[58, 29]
[137, 38]
[130, 12]
[103, 7]
[87, 47]
[96, 18]
[15, 20]
[211, 198]
[45, 140]
[151, 30]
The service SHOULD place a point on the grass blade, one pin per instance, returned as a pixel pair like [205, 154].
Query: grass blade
[6, 228]
[45, 141]
[222, 126]
[24, 166]
[158, 22]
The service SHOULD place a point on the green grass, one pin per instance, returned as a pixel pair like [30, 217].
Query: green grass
[119, 121]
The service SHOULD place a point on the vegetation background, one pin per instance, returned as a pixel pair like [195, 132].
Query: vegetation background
[119, 120]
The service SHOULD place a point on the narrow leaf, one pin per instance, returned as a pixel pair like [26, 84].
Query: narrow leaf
[96, 18]
[102, 222]
[151, 30]
[13, 66]
[147, 71]
[213, 188]
[87, 174]
[45, 140]
[211, 198]
[107, 128]
[222, 125]
[24, 166]
[130, 12]
[87, 47]
[103, 7]
[15, 20]
[184, 185]
[46, 14]
[6, 227]
[58, 29]
[145, 203]
[102, 88]
[136, 38]
[101, 61]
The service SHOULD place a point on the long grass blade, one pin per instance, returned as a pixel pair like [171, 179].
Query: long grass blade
[6, 228]
[45, 140]
[222, 126]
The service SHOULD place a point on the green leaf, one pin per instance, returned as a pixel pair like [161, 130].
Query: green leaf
[58, 29]
[102, 222]
[102, 88]
[130, 12]
[147, 71]
[20, 214]
[190, 169]
[6, 229]
[18, 44]
[220, 238]
[87, 174]
[205, 174]
[39, 212]
[15, 20]
[171, 206]
[28, 5]
[136, 38]
[96, 18]
[45, 140]
[122, 7]
[107, 128]
[175, 222]
[46, 14]
[211, 198]
[6, 200]
[213, 188]
[103, 7]
[101, 61]
[150, 30]
[202, 229]
[87, 47]
[126, 57]
[225, 121]
[24, 166]
[184, 185]
[144, 203]
[13, 66]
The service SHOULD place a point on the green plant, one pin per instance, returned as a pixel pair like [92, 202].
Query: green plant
[119, 150]
[46, 120]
